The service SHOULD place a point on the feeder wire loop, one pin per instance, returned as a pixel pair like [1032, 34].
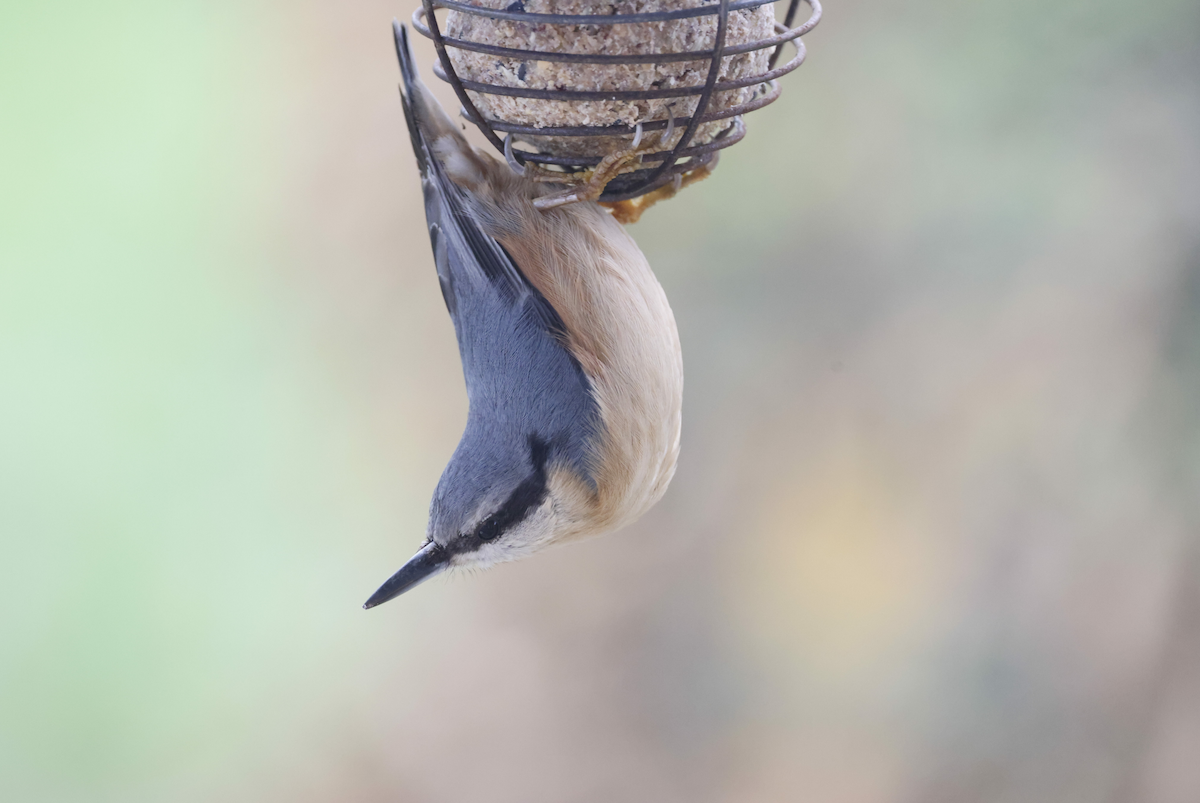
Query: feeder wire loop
[683, 157]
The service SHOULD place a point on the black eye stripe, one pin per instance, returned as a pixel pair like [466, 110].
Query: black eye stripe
[525, 497]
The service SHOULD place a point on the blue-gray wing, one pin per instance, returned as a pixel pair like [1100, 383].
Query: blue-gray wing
[521, 378]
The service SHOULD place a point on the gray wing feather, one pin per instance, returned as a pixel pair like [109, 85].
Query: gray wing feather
[521, 379]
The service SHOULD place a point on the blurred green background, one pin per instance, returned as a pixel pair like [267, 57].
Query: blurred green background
[935, 533]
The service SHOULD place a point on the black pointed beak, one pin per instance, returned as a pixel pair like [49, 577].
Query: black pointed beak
[431, 559]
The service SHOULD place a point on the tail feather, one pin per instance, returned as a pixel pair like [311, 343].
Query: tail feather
[411, 94]
[427, 120]
[408, 66]
[457, 185]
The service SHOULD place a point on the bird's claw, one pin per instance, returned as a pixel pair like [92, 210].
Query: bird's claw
[589, 185]
[509, 157]
[629, 211]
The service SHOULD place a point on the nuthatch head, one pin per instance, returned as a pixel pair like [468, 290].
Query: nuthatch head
[569, 350]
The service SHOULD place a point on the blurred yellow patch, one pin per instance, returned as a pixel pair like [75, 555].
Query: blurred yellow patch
[838, 573]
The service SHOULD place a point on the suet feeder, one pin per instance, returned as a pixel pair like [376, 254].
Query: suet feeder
[572, 80]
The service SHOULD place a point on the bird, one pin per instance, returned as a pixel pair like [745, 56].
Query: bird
[570, 355]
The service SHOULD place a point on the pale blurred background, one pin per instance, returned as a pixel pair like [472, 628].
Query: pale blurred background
[935, 533]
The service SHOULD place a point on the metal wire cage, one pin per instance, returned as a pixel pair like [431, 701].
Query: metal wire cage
[661, 167]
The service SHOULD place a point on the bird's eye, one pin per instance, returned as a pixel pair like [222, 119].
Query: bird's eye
[488, 529]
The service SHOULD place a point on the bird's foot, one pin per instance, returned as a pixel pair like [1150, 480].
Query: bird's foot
[589, 185]
[631, 210]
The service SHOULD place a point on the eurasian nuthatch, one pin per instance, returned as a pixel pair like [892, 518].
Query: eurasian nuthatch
[569, 349]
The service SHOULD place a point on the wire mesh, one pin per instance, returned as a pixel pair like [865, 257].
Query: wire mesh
[658, 167]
